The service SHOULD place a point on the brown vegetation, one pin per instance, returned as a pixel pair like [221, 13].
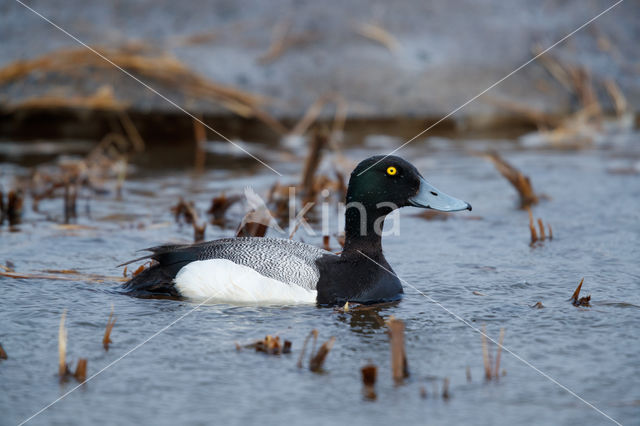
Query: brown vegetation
[520, 182]
[580, 301]
[399, 366]
[369, 375]
[270, 345]
[490, 371]
[140, 60]
[316, 359]
[64, 372]
[106, 339]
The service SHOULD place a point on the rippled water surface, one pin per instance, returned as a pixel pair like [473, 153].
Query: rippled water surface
[191, 373]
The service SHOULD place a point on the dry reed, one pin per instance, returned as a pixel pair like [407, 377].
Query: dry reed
[399, 366]
[106, 339]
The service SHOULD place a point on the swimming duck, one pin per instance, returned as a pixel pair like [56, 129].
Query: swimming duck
[282, 271]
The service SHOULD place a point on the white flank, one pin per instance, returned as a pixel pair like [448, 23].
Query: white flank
[224, 281]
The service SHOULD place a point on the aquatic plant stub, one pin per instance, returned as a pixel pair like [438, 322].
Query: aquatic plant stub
[491, 372]
[576, 300]
[317, 360]
[536, 235]
[219, 207]
[399, 366]
[445, 388]
[519, 181]
[64, 372]
[106, 339]
[369, 375]
[270, 345]
[3, 354]
[12, 210]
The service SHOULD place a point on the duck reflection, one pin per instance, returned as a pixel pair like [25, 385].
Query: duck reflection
[366, 319]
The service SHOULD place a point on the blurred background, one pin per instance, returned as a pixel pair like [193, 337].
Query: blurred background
[252, 69]
[128, 124]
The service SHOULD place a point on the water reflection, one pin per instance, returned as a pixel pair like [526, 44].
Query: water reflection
[366, 319]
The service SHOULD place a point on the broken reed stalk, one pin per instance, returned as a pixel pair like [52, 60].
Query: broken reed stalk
[485, 354]
[70, 201]
[534, 232]
[81, 370]
[107, 332]
[490, 372]
[309, 116]
[198, 231]
[576, 293]
[580, 301]
[619, 101]
[445, 388]
[369, 375]
[339, 120]
[325, 243]
[541, 227]
[15, 201]
[188, 211]
[520, 182]
[219, 207]
[313, 333]
[318, 142]
[252, 229]
[399, 367]
[200, 136]
[496, 373]
[532, 228]
[131, 131]
[258, 219]
[63, 369]
[317, 360]
[3, 354]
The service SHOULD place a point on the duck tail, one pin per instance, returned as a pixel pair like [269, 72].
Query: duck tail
[154, 281]
[158, 279]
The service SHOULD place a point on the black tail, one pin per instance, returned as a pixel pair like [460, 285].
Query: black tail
[158, 279]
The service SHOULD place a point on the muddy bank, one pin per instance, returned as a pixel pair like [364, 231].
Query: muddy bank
[176, 127]
[271, 61]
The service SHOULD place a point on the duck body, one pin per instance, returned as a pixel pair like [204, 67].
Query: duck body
[265, 271]
[282, 271]
[232, 270]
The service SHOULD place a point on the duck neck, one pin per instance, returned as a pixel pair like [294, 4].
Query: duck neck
[363, 230]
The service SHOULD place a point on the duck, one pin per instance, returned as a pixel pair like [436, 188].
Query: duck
[264, 270]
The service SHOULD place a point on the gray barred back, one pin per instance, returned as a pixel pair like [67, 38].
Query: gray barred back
[284, 260]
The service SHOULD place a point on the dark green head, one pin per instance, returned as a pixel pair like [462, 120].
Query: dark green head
[386, 183]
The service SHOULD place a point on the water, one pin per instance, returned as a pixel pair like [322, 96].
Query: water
[190, 372]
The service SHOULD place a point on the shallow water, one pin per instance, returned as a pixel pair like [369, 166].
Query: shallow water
[190, 373]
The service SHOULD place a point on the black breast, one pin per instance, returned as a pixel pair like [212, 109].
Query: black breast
[353, 277]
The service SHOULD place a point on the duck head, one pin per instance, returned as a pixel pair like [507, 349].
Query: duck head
[396, 182]
[379, 185]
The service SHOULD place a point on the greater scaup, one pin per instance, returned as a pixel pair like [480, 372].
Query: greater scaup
[275, 270]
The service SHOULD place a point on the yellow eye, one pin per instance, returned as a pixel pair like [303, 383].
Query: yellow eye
[391, 171]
